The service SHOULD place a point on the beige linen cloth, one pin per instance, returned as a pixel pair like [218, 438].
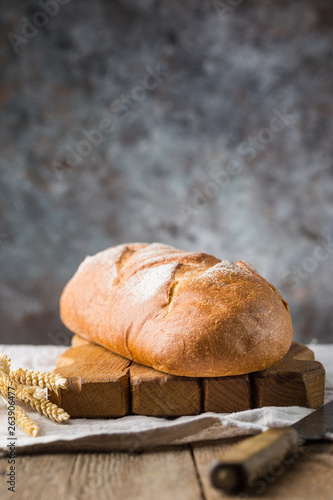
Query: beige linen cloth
[136, 432]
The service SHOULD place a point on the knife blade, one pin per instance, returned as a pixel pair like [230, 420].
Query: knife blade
[315, 425]
[255, 457]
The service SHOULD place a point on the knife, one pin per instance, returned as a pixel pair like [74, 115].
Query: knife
[269, 452]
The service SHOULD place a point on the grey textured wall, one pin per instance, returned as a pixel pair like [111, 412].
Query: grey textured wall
[209, 128]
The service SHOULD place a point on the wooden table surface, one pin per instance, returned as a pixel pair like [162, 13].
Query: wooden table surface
[174, 473]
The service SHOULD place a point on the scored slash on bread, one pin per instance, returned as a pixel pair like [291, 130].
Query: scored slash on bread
[183, 313]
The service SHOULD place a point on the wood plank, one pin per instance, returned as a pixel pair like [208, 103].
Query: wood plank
[162, 475]
[226, 394]
[297, 380]
[38, 477]
[309, 477]
[106, 476]
[160, 394]
[98, 382]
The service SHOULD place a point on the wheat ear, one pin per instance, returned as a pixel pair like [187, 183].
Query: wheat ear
[26, 392]
[52, 381]
[6, 381]
[24, 421]
[4, 373]
[51, 410]
[4, 363]
[21, 391]
[3, 388]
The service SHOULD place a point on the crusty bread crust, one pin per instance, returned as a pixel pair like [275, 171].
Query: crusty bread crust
[184, 313]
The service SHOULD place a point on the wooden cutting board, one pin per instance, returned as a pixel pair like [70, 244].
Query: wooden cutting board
[104, 384]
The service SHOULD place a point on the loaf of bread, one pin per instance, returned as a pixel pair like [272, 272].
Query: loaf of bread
[183, 313]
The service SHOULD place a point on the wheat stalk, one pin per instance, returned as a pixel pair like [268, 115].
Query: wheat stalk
[30, 387]
[52, 381]
[23, 420]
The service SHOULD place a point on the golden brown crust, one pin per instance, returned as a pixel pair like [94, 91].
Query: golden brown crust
[180, 312]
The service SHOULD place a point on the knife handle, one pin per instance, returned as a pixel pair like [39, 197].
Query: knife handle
[253, 458]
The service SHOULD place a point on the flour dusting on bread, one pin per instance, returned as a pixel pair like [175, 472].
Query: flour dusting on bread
[145, 284]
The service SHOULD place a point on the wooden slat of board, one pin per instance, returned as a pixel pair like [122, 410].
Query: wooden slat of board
[301, 352]
[98, 382]
[309, 477]
[297, 380]
[158, 475]
[226, 394]
[159, 394]
[163, 475]
[38, 477]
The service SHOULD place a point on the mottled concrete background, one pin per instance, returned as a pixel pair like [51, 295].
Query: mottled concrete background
[209, 128]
